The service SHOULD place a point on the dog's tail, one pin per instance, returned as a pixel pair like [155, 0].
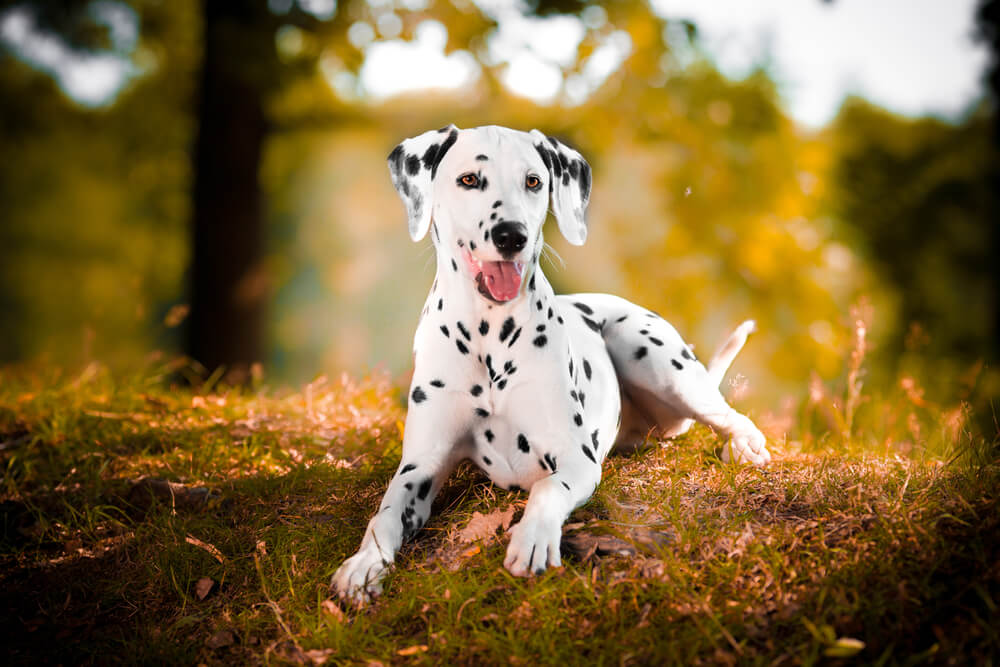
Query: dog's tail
[724, 356]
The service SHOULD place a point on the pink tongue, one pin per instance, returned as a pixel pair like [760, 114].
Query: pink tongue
[501, 279]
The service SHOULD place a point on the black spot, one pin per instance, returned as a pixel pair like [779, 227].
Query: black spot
[493, 216]
[408, 486]
[507, 365]
[484, 328]
[542, 463]
[540, 341]
[571, 366]
[582, 397]
[461, 243]
[506, 329]
[531, 283]
[482, 413]
[396, 157]
[425, 488]
[585, 308]
[566, 485]
[549, 315]
[551, 460]
[501, 384]
[655, 341]
[565, 178]
[538, 304]
[412, 165]
[482, 158]
[437, 383]
[454, 265]
[409, 526]
[584, 181]
[677, 364]
[644, 331]
[572, 394]
[434, 154]
[513, 339]
[687, 355]
[593, 439]
[440, 304]
[486, 236]
[559, 319]
[592, 324]
[622, 318]
[444, 330]
[472, 245]
[497, 203]
[418, 395]
[461, 346]
[465, 332]
[640, 353]
[540, 328]
[487, 461]
[407, 468]
[489, 435]
[522, 443]
[586, 368]
[590, 455]
[577, 419]
[476, 390]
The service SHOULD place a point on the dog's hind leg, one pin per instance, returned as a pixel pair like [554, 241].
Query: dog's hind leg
[664, 383]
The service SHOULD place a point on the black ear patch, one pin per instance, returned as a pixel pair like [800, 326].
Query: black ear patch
[435, 153]
[412, 165]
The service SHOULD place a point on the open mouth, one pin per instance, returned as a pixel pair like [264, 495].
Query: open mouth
[498, 281]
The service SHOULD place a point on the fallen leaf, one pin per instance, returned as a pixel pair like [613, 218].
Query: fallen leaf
[220, 639]
[331, 608]
[319, 655]
[203, 587]
[485, 526]
[412, 650]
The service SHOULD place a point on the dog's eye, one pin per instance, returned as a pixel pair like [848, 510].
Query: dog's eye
[469, 180]
[532, 182]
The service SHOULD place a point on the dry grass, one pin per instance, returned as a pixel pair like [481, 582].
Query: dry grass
[147, 523]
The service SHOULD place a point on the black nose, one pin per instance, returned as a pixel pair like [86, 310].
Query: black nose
[508, 237]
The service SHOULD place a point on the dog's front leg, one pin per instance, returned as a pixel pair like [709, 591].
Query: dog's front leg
[535, 539]
[427, 461]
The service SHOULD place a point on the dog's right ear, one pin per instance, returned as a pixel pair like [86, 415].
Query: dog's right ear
[413, 165]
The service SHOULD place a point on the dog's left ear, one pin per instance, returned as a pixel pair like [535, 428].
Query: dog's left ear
[413, 165]
[569, 185]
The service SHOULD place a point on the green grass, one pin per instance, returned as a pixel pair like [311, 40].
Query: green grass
[864, 533]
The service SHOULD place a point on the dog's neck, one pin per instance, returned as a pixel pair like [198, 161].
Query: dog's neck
[455, 286]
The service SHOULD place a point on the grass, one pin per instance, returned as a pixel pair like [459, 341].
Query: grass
[862, 542]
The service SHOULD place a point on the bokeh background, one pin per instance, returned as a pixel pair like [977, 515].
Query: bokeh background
[208, 178]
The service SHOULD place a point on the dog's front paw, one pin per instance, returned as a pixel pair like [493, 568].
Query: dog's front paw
[359, 579]
[747, 446]
[534, 545]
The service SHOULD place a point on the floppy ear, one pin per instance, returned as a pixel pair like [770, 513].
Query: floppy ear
[569, 185]
[413, 165]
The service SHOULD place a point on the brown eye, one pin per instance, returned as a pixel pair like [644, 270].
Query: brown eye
[469, 180]
[532, 182]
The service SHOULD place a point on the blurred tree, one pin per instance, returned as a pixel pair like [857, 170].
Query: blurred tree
[918, 196]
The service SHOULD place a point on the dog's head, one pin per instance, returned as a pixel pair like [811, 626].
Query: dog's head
[486, 192]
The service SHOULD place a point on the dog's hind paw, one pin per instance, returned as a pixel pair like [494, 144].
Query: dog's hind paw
[359, 579]
[747, 447]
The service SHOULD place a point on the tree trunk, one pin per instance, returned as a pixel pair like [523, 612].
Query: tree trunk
[228, 284]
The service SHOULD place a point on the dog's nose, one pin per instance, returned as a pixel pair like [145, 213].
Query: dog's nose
[509, 237]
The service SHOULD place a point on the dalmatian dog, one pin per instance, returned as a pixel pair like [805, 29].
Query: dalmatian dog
[534, 388]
